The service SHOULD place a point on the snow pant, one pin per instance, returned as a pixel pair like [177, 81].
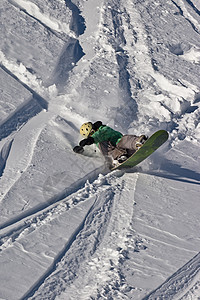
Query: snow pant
[126, 146]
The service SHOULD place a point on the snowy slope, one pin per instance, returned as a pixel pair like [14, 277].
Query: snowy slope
[70, 228]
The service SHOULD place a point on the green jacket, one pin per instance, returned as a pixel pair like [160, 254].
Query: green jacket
[105, 133]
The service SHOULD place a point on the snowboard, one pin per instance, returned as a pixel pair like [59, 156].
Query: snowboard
[152, 144]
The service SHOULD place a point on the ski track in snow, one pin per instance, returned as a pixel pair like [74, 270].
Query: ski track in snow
[184, 12]
[26, 225]
[174, 285]
[102, 248]
[99, 245]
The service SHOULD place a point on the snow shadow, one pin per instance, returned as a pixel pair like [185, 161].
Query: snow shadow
[77, 23]
[193, 6]
[197, 98]
[41, 101]
[174, 171]
[24, 112]
[176, 49]
[4, 155]
[19, 117]
[72, 52]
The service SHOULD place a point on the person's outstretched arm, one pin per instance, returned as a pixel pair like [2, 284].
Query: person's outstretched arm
[80, 149]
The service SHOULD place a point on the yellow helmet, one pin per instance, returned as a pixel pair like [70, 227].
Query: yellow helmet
[86, 129]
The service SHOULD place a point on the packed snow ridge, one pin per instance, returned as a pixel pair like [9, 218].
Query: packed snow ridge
[70, 228]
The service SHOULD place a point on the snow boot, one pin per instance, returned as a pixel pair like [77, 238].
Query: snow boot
[142, 139]
[122, 158]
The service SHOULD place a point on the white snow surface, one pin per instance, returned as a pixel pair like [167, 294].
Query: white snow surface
[71, 229]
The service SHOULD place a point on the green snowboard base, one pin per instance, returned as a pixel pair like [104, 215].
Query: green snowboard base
[152, 144]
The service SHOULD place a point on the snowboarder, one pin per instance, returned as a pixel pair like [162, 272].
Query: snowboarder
[115, 146]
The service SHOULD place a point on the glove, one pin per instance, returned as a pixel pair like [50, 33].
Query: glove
[88, 141]
[78, 149]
